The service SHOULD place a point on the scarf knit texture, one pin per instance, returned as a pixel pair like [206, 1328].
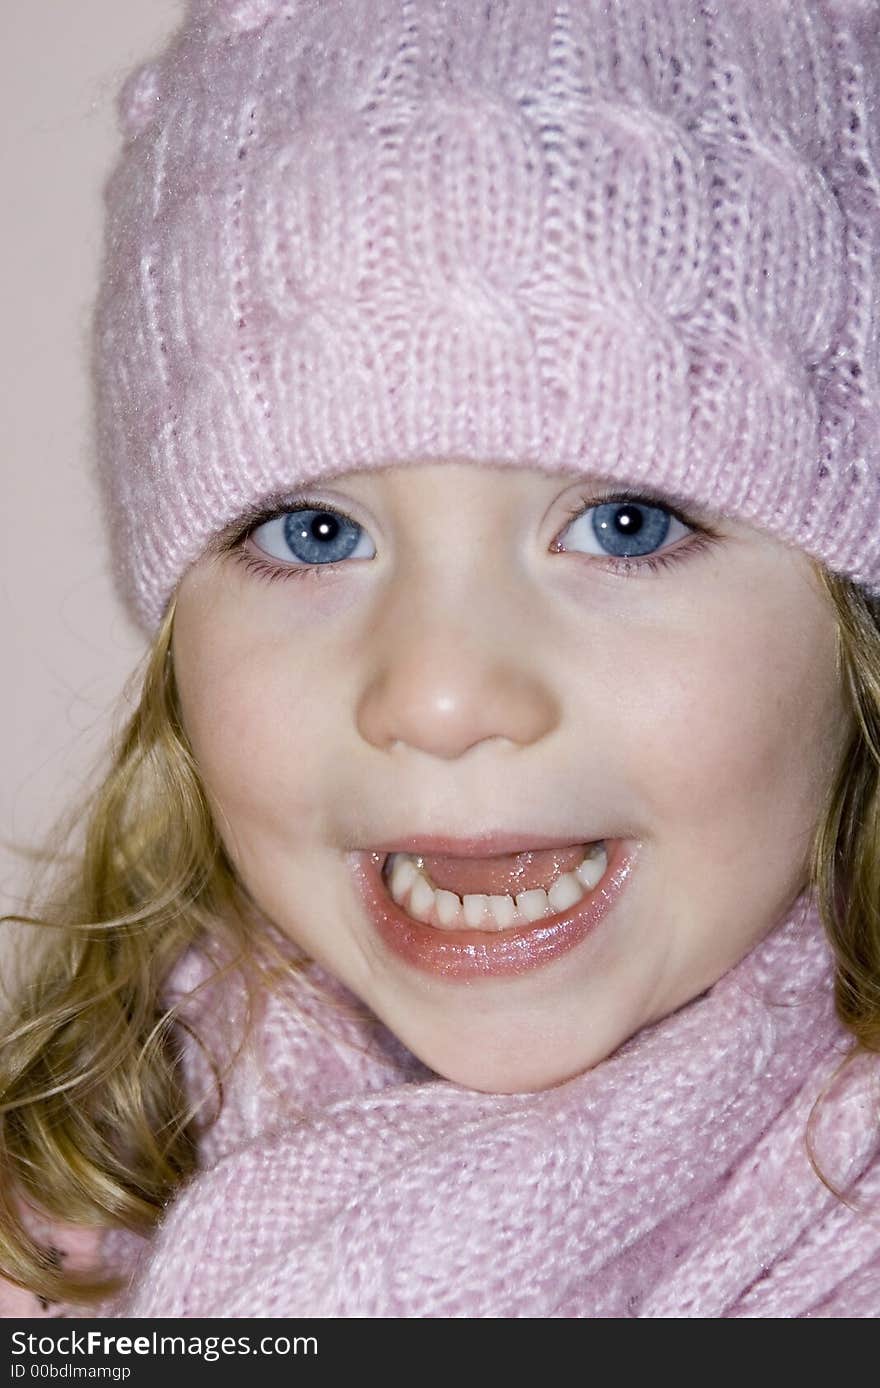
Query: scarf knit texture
[344, 1179]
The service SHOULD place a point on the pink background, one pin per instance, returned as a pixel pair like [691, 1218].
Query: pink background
[67, 644]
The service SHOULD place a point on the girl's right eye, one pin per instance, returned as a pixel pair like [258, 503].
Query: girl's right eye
[311, 536]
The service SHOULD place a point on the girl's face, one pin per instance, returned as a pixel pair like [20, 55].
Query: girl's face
[457, 651]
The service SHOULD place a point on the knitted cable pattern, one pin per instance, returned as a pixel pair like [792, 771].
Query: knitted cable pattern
[345, 1179]
[672, 1180]
[637, 239]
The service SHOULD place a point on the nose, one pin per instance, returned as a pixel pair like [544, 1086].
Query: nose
[448, 676]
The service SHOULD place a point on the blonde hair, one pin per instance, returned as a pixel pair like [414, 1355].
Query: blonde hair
[95, 1128]
[845, 860]
[94, 1124]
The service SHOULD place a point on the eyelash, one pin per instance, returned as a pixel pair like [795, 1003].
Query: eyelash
[702, 539]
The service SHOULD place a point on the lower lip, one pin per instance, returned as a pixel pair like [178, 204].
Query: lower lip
[468, 954]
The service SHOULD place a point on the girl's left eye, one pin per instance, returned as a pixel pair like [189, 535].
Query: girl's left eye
[626, 531]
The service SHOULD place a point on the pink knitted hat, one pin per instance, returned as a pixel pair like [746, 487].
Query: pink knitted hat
[636, 238]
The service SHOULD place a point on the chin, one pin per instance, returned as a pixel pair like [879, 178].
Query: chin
[502, 1075]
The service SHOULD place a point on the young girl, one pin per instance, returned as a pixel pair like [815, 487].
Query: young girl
[479, 917]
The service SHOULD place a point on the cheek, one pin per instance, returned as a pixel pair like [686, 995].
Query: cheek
[737, 729]
[257, 729]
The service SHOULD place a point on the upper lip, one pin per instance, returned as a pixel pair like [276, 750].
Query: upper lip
[478, 845]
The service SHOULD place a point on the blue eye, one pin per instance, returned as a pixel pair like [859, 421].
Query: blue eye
[624, 529]
[310, 535]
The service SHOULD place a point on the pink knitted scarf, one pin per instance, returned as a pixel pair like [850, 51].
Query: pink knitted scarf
[343, 1179]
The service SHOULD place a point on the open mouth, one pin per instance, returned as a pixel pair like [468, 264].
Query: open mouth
[528, 929]
[493, 894]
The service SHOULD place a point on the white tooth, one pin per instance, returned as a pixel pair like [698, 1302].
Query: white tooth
[566, 890]
[503, 908]
[475, 907]
[533, 905]
[421, 899]
[592, 869]
[403, 874]
[448, 906]
[412, 890]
